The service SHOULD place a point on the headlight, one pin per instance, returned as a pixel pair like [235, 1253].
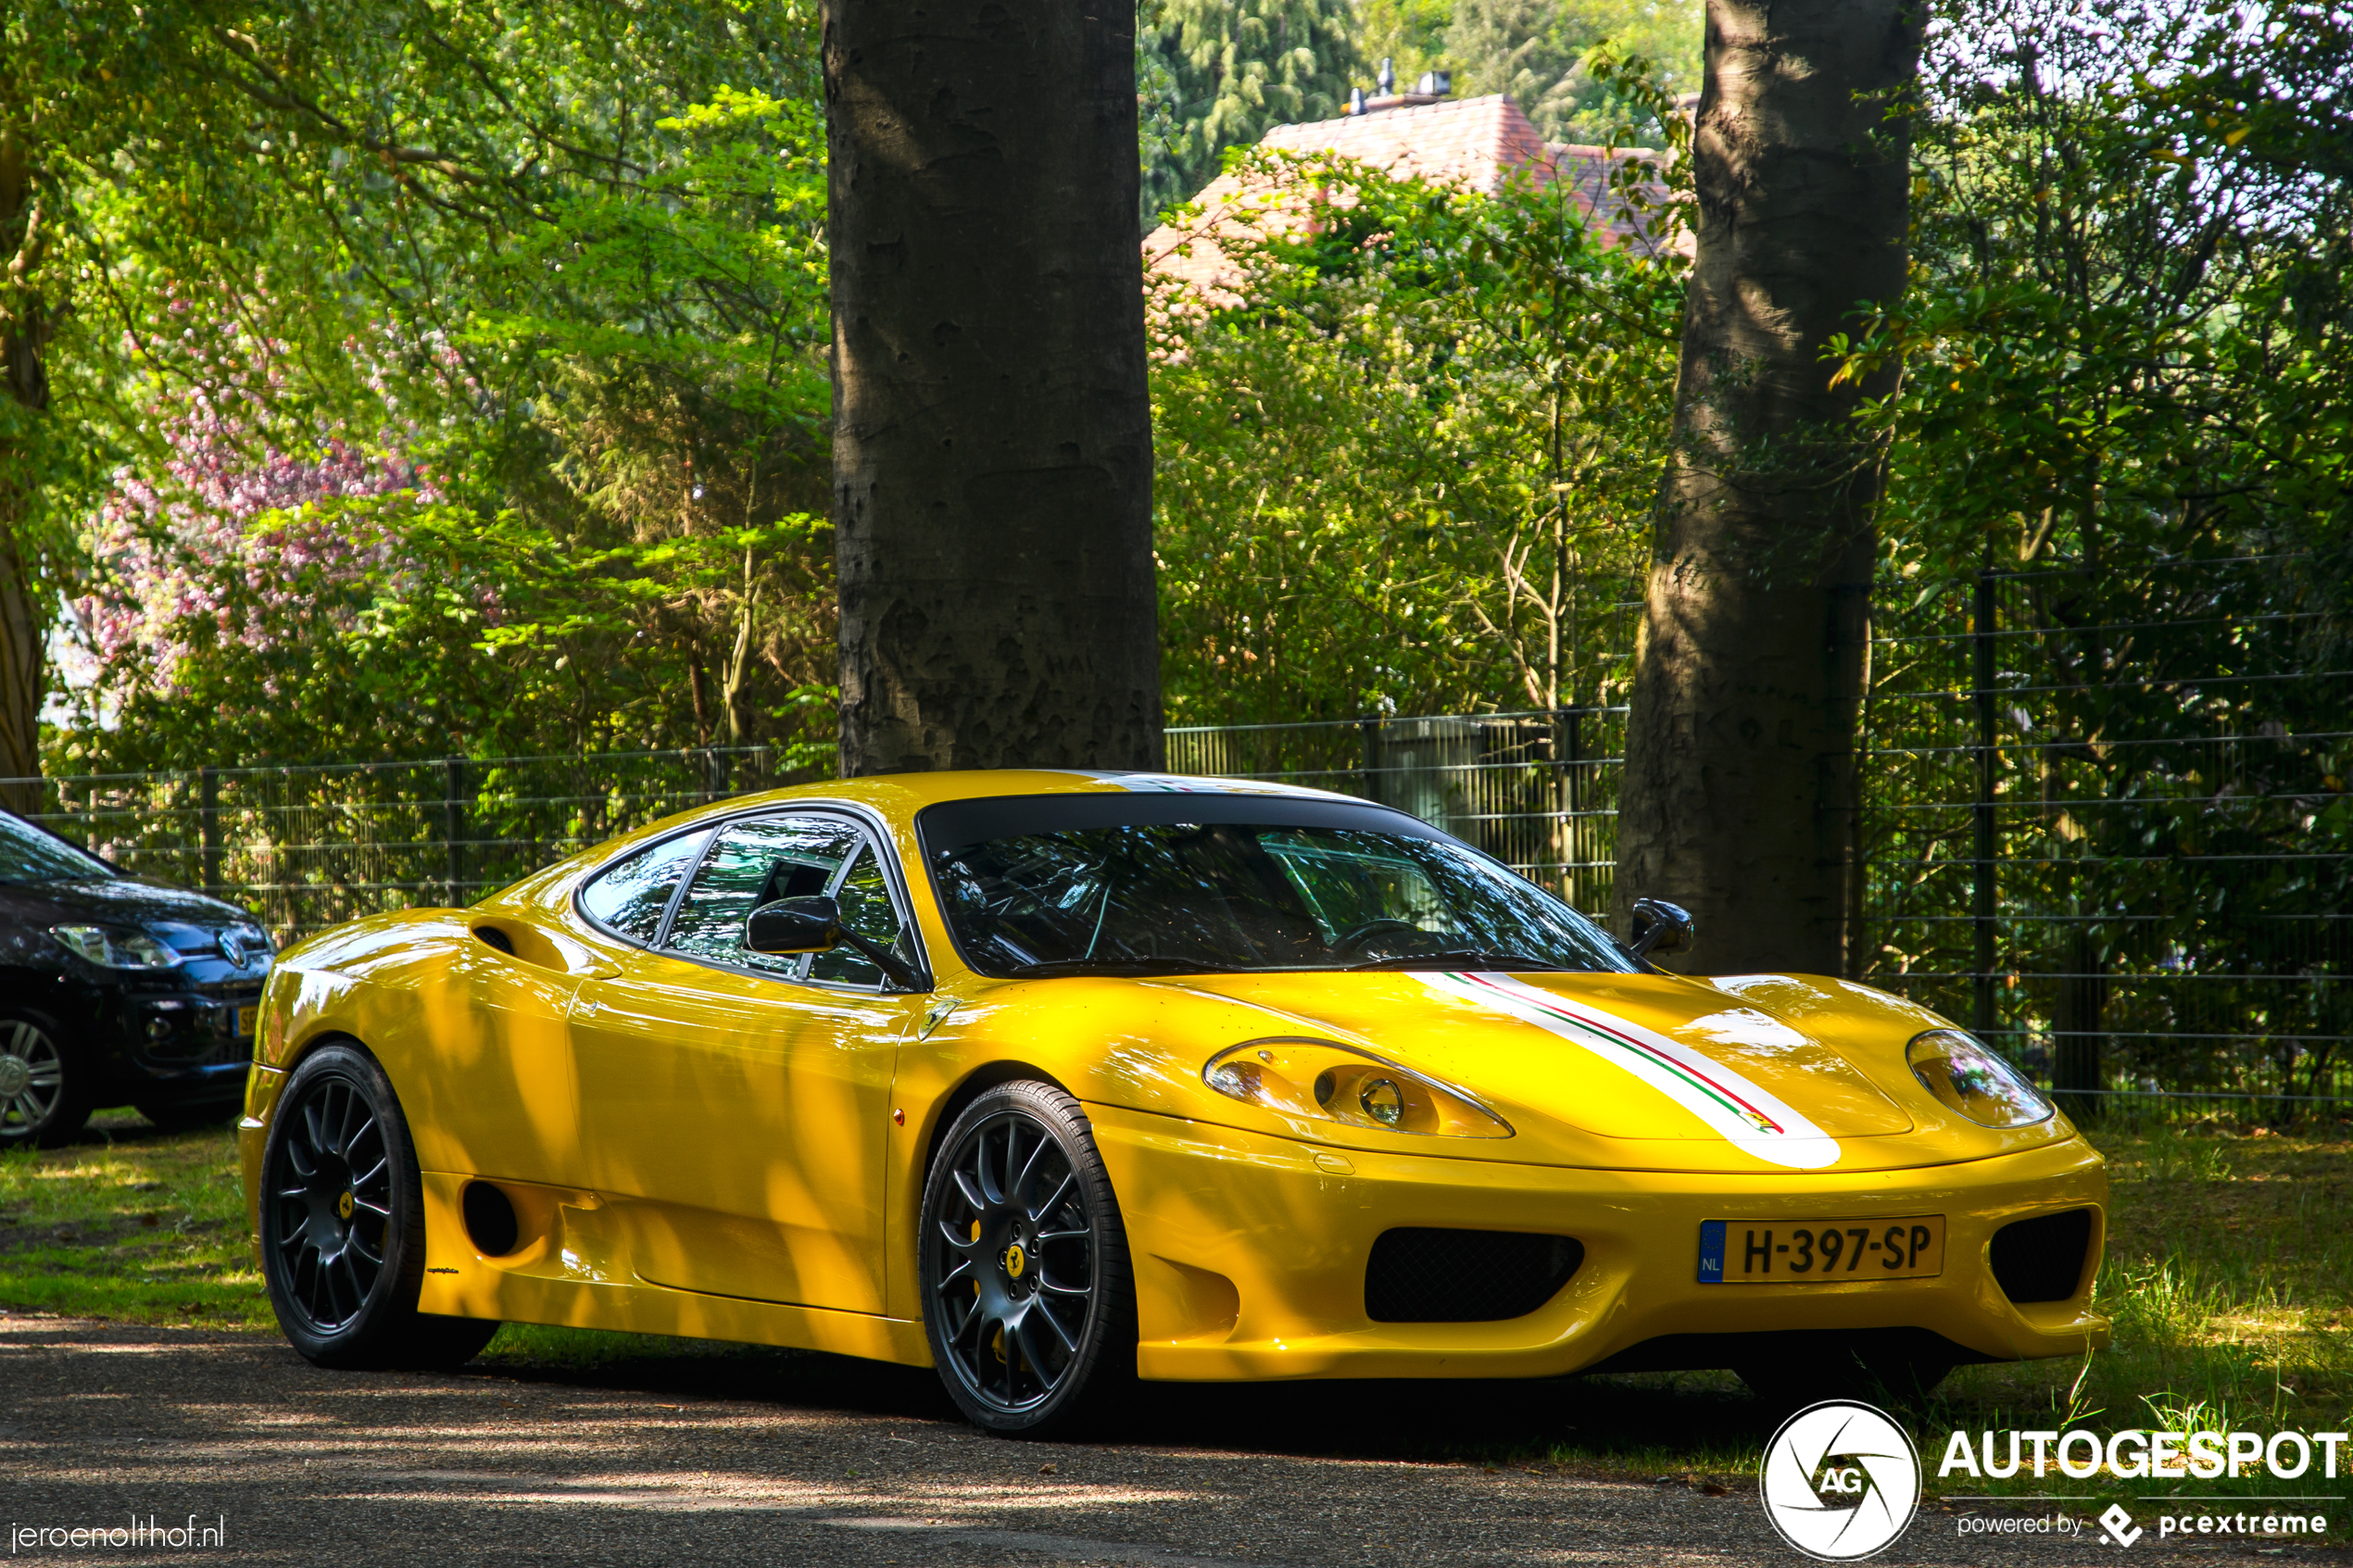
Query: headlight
[1967, 1077]
[112, 947]
[1337, 1083]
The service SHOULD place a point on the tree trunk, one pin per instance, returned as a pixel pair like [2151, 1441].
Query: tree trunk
[24, 330]
[1739, 794]
[992, 428]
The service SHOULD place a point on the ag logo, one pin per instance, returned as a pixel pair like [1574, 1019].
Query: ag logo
[1840, 1481]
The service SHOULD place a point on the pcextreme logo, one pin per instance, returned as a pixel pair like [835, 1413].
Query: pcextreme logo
[1841, 1480]
[2118, 1525]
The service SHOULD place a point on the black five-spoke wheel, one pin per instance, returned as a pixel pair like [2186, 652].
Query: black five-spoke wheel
[343, 1232]
[1024, 1267]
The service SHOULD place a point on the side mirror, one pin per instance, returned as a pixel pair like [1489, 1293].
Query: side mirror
[1661, 927]
[794, 925]
[789, 926]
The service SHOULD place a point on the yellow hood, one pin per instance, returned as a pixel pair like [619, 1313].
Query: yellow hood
[1657, 1072]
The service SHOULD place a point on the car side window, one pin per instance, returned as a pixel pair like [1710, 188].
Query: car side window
[752, 863]
[866, 909]
[630, 897]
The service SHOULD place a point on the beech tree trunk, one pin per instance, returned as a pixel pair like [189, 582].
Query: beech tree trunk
[1737, 799]
[24, 333]
[993, 429]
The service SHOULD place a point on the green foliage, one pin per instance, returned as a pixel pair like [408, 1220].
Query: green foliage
[1410, 34]
[1407, 465]
[1240, 67]
[566, 264]
[1538, 52]
[2129, 361]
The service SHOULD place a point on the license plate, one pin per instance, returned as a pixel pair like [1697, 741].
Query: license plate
[241, 1022]
[1814, 1251]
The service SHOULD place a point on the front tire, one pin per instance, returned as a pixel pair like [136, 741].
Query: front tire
[1028, 1300]
[47, 1089]
[343, 1223]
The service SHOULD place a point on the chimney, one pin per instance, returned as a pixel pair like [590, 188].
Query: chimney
[1387, 80]
[1355, 100]
[1434, 84]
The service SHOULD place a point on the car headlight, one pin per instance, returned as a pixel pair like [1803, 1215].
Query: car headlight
[1336, 1083]
[112, 947]
[1967, 1075]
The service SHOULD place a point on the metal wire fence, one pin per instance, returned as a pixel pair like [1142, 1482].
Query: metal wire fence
[308, 846]
[2105, 823]
[1535, 790]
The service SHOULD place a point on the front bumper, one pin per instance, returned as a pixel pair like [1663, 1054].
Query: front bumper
[1250, 1254]
[167, 1039]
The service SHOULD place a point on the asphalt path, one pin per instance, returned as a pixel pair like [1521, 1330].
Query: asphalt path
[785, 1459]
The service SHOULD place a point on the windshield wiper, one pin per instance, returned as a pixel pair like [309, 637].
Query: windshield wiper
[1456, 958]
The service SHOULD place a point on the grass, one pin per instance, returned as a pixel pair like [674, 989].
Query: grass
[2228, 1276]
[130, 1223]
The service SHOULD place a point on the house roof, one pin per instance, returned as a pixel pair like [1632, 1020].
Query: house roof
[1475, 143]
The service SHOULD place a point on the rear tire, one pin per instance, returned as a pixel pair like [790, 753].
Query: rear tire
[343, 1223]
[1028, 1300]
[47, 1089]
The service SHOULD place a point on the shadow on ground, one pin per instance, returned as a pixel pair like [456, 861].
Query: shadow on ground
[1609, 1423]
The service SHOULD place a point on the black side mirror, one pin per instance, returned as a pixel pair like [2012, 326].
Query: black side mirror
[788, 926]
[1661, 927]
[794, 925]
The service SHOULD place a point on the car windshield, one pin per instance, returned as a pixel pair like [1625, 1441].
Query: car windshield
[29, 854]
[1276, 887]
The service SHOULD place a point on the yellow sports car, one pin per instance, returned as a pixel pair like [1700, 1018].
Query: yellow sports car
[1054, 1079]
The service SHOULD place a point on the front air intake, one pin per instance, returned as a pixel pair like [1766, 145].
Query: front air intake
[1466, 1276]
[2042, 1258]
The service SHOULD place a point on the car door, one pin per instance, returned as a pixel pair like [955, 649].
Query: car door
[734, 1105]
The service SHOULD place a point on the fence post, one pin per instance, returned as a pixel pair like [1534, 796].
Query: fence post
[1370, 726]
[1568, 754]
[1982, 912]
[2076, 1025]
[453, 805]
[715, 768]
[208, 826]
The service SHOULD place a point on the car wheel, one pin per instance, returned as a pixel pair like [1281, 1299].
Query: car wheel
[1027, 1296]
[47, 1092]
[173, 1118]
[343, 1223]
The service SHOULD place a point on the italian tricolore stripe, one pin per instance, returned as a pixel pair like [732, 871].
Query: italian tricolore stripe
[1737, 1111]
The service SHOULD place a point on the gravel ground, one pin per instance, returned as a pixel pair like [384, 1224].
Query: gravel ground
[784, 1459]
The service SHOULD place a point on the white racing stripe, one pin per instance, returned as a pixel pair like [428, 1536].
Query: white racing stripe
[1738, 1111]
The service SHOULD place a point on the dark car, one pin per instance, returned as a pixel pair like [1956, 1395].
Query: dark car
[114, 990]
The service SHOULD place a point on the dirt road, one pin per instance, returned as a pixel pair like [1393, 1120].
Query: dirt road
[776, 1459]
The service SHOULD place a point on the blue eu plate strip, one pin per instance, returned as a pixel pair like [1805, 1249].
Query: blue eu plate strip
[1711, 1252]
